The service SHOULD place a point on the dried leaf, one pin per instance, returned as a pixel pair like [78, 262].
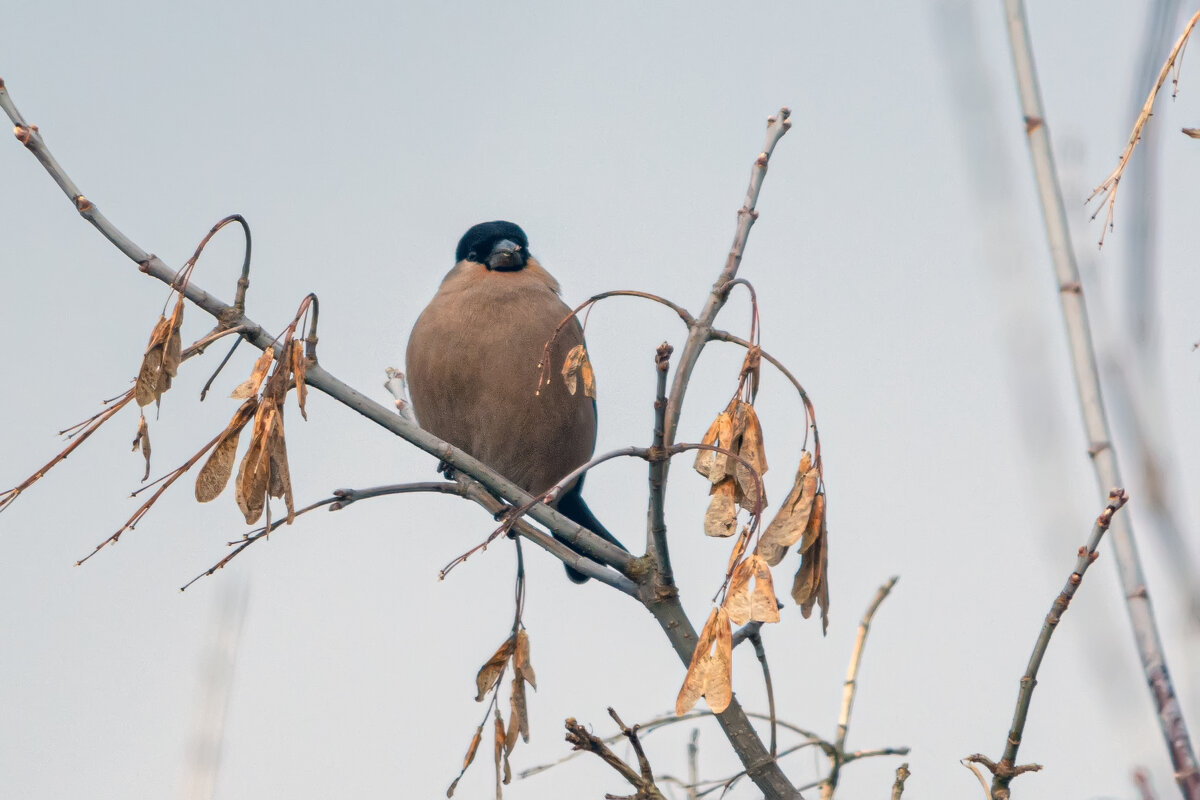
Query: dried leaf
[710, 671]
[750, 447]
[577, 366]
[709, 463]
[299, 368]
[721, 517]
[790, 522]
[216, 470]
[489, 674]
[744, 604]
[143, 438]
[1192, 132]
[249, 387]
[521, 659]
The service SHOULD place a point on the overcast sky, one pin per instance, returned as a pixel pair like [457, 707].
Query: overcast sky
[901, 271]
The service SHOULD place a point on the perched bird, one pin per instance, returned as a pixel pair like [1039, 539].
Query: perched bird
[473, 369]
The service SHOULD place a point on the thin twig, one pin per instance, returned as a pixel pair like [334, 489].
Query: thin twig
[849, 688]
[656, 535]
[1111, 183]
[641, 779]
[700, 327]
[693, 756]
[1004, 771]
[761, 652]
[851, 684]
[1087, 383]
[1141, 779]
[79, 437]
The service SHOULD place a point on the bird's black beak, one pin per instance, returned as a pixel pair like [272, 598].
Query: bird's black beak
[506, 256]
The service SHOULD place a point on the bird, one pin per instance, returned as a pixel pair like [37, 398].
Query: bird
[474, 364]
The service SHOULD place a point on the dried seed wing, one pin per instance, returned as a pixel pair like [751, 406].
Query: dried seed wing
[588, 377]
[489, 674]
[721, 517]
[143, 439]
[706, 458]
[814, 523]
[718, 690]
[172, 353]
[792, 518]
[518, 719]
[764, 607]
[823, 586]
[299, 370]
[214, 475]
[281, 479]
[472, 748]
[572, 365]
[739, 548]
[521, 659]
[737, 597]
[697, 672]
[147, 388]
[250, 386]
[753, 450]
[254, 473]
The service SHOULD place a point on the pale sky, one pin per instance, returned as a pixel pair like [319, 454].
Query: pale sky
[902, 274]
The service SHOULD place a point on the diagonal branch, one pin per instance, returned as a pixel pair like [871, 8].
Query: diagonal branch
[1091, 402]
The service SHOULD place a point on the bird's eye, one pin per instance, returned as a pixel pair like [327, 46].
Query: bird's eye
[471, 256]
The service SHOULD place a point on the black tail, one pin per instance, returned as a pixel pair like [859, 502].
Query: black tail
[573, 508]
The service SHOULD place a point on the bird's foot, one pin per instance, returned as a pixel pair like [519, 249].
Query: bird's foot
[446, 469]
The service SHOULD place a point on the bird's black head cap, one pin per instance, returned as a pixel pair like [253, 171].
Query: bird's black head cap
[478, 243]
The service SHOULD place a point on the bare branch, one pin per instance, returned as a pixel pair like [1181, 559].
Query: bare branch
[838, 756]
[642, 780]
[700, 327]
[1007, 768]
[656, 534]
[1110, 185]
[851, 685]
[1087, 383]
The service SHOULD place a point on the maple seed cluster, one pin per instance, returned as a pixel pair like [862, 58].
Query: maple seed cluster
[734, 462]
[515, 653]
[263, 471]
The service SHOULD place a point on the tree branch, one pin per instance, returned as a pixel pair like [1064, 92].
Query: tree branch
[656, 527]
[1087, 384]
[1007, 768]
